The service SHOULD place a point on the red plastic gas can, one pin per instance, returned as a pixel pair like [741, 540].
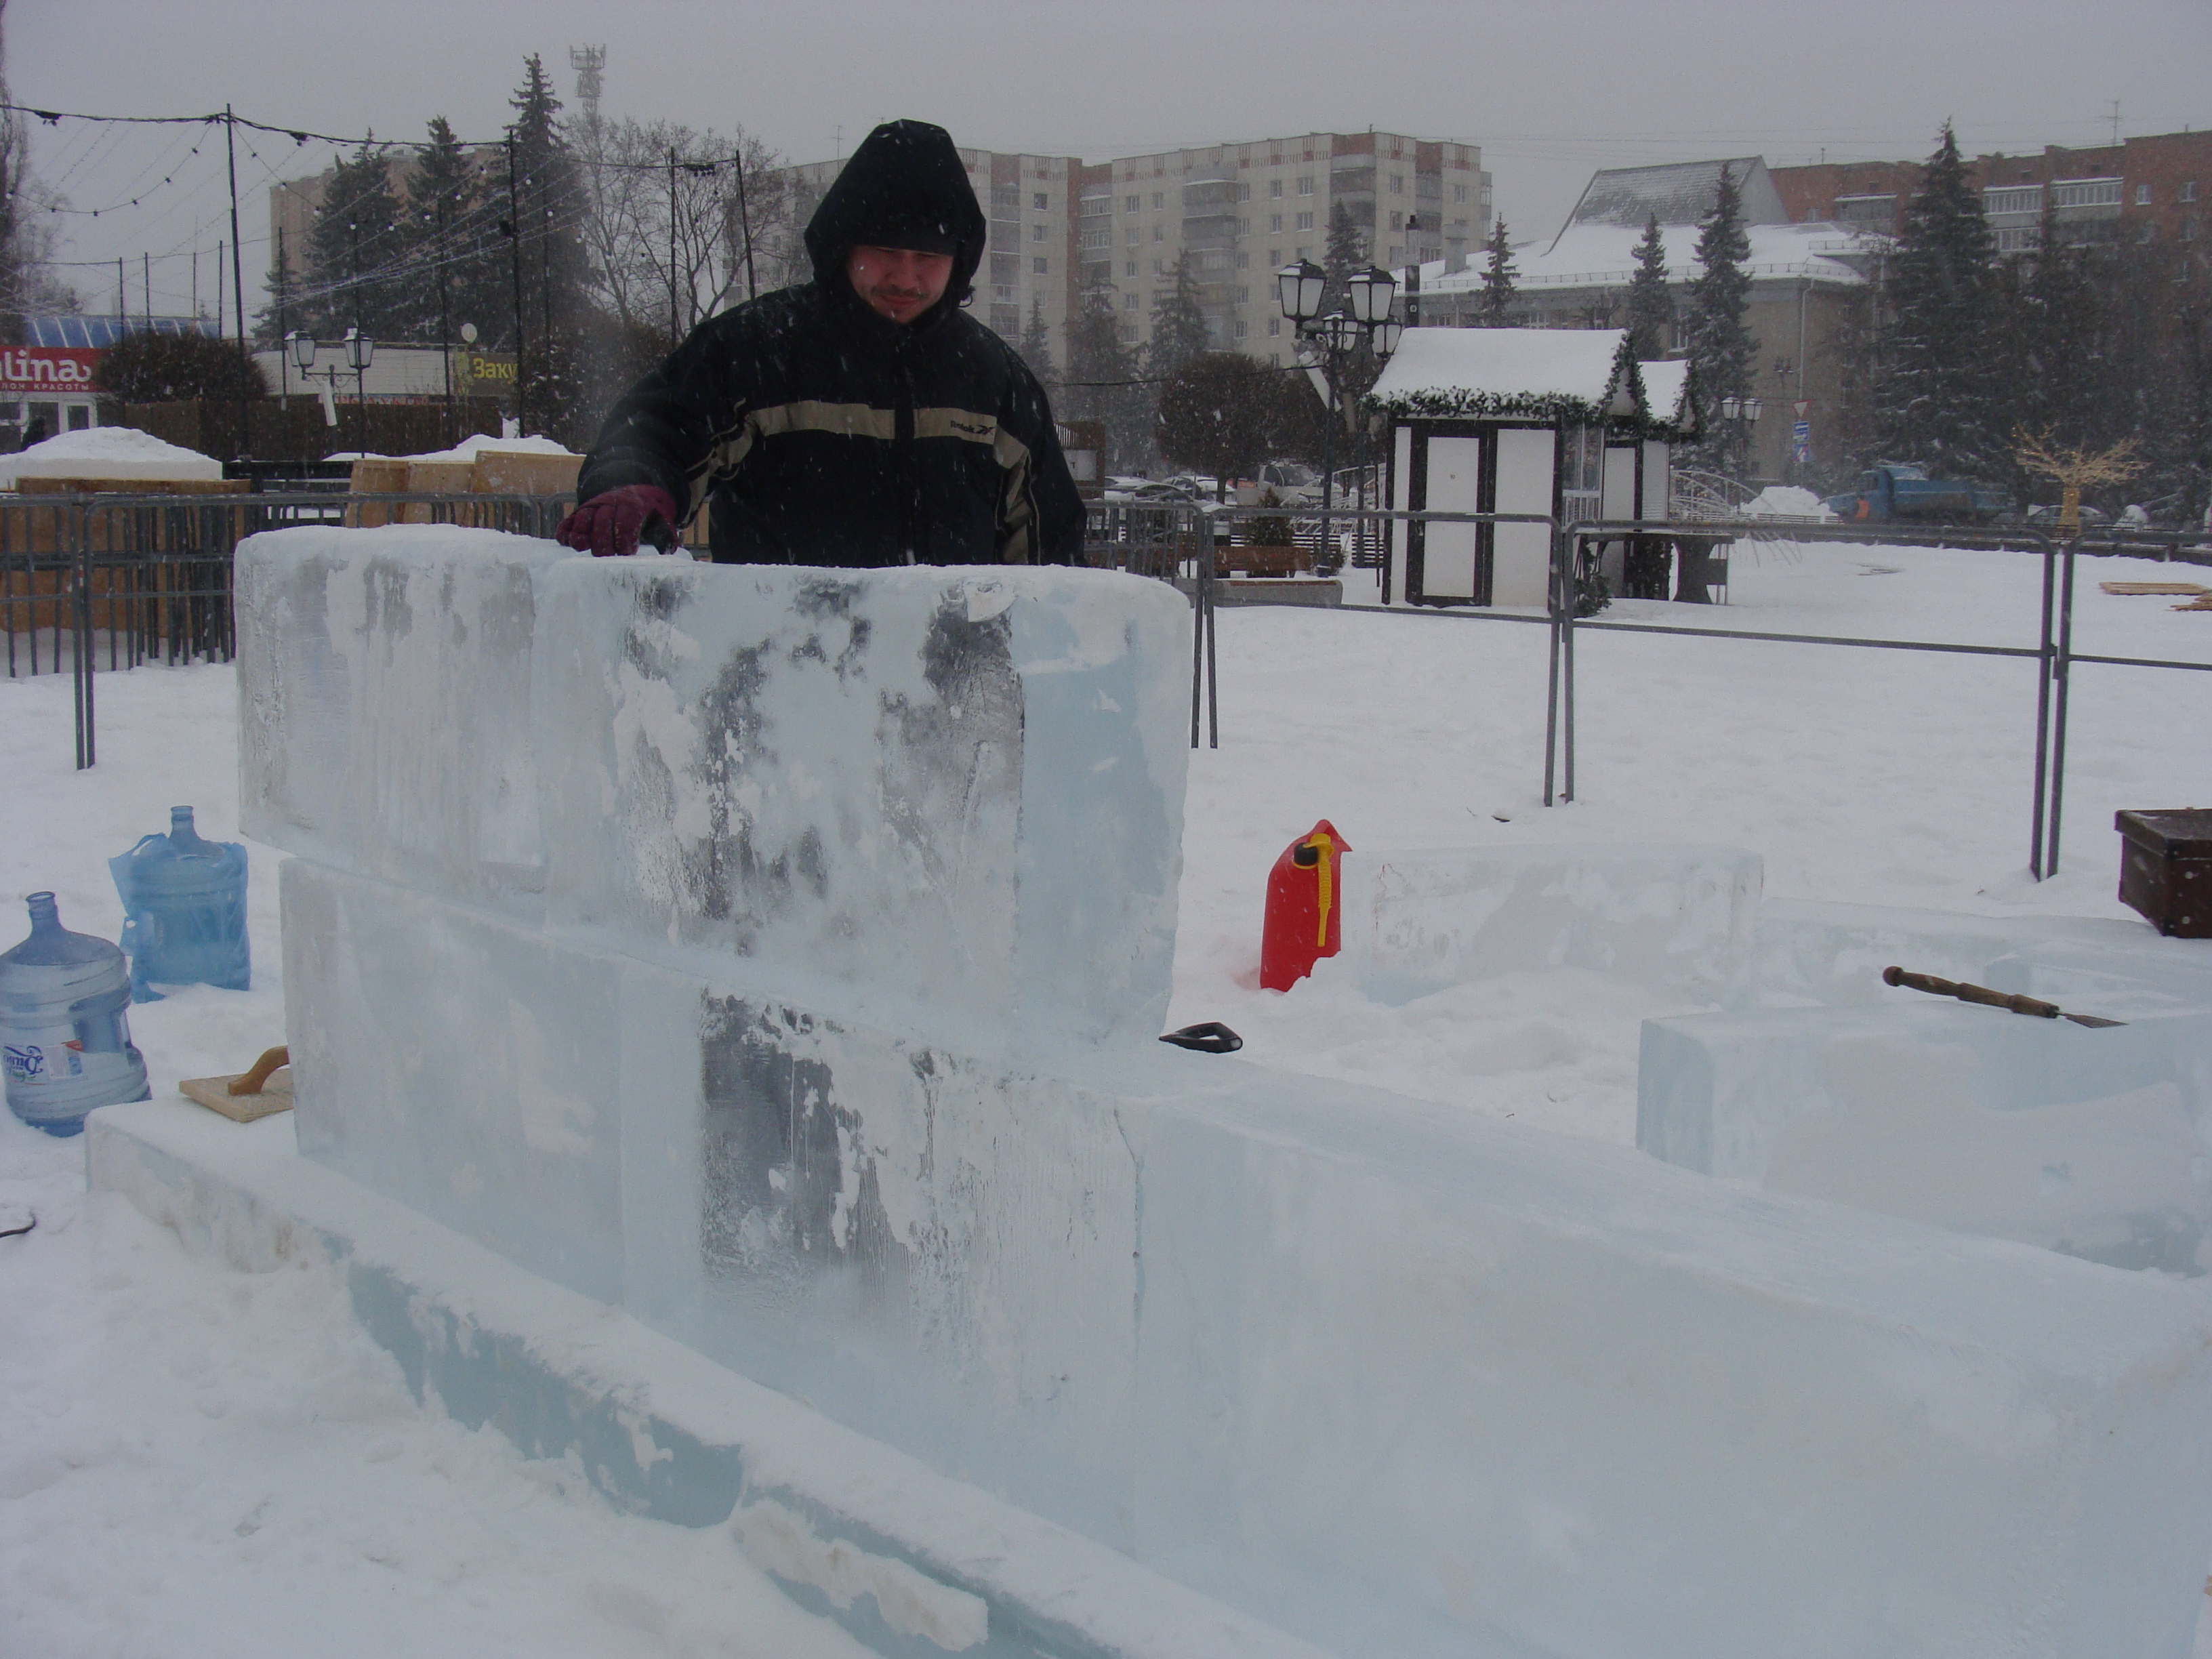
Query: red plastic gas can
[1304, 920]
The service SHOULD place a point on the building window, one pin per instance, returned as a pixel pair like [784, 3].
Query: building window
[1160, 267]
[1243, 193]
[1130, 236]
[2143, 195]
[1397, 183]
[2013, 200]
[1274, 221]
[1305, 186]
[1243, 295]
[1244, 259]
[2086, 193]
[1305, 253]
[1274, 259]
[1095, 205]
[1129, 334]
[1159, 235]
[1103, 237]
[1305, 222]
[1007, 196]
[1274, 327]
[1459, 192]
[1129, 269]
[1041, 267]
[1040, 201]
[1275, 188]
[1130, 203]
[1128, 302]
[1037, 233]
[2189, 228]
[1159, 200]
[1241, 328]
[1398, 219]
[2188, 191]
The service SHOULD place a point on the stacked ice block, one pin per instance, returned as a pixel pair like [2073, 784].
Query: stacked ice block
[777, 953]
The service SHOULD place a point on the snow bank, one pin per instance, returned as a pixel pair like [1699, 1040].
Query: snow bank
[476, 443]
[105, 451]
[1786, 502]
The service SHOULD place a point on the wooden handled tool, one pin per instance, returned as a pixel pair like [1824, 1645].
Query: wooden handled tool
[1982, 994]
[254, 1093]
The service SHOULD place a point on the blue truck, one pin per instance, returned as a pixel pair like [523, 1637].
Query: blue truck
[1889, 493]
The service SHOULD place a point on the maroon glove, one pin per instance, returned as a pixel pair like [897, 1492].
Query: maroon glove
[608, 525]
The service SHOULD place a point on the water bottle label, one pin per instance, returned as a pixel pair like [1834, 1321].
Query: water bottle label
[29, 1063]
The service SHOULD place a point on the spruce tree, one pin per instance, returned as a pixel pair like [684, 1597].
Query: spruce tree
[448, 266]
[1722, 349]
[1651, 305]
[354, 250]
[547, 214]
[1937, 397]
[1180, 333]
[1345, 252]
[1035, 348]
[1498, 276]
[1101, 380]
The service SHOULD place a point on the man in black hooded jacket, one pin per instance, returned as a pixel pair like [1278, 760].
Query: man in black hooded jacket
[862, 418]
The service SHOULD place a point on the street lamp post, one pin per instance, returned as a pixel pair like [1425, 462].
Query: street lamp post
[361, 351]
[1300, 288]
[1742, 412]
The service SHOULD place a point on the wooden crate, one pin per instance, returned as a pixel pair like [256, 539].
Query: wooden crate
[2166, 869]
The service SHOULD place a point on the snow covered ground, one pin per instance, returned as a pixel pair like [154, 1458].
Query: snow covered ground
[199, 1461]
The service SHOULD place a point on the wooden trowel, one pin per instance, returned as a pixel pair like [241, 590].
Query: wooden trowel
[262, 1091]
[1982, 994]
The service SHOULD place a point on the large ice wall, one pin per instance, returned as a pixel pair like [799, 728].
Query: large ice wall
[706, 1042]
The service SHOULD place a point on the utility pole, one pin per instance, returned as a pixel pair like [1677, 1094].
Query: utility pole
[444, 323]
[237, 282]
[746, 224]
[514, 263]
[675, 324]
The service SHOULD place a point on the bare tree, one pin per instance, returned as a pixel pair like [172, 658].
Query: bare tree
[680, 221]
[27, 283]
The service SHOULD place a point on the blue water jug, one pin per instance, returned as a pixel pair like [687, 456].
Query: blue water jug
[66, 1025]
[184, 910]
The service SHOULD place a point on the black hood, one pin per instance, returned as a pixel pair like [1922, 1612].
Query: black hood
[904, 187]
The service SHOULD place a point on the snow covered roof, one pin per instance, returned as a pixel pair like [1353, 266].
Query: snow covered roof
[1604, 256]
[1547, 374]
[1666, 391]
[105, 451]
[1675, 193]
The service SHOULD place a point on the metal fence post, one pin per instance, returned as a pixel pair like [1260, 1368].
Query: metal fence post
[88, 737]
[2042, 673]
[2062, 667]
[1552, 680]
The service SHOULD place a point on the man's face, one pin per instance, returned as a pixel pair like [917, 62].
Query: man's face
[898, 282]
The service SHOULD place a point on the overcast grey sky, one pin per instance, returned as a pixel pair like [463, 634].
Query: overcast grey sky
[1549, 90]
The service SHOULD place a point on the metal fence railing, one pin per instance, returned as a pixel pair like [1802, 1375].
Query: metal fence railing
[104, 583]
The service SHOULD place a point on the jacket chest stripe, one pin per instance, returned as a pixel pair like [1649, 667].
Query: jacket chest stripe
[962, 423]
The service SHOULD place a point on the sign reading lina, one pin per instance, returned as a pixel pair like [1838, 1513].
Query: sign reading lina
[45, 368]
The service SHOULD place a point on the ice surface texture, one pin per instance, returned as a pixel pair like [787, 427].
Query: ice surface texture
[1678, 921]
[2097, 1142]
[837, 773]
[714, 1042]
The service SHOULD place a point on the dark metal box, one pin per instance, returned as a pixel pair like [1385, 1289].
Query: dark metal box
[2166, 868]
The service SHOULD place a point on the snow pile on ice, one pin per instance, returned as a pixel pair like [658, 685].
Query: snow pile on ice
[105, 451]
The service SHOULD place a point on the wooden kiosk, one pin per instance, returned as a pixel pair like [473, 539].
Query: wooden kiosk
[1556, 422]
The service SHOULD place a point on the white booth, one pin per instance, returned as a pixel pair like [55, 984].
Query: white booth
[1559, 423]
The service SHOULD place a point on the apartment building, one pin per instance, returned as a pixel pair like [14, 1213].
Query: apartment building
[1243, 210]
[1060, 227]
[2154, 189]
